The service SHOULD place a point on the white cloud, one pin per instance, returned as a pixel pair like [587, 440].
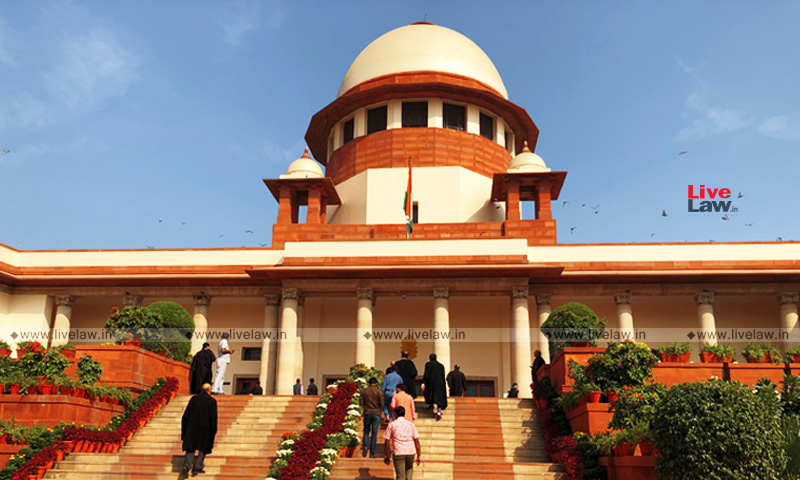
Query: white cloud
[23, 110]
[247, 18]
[783, 127]
[707, 118]
[5, 55]
[92, 68]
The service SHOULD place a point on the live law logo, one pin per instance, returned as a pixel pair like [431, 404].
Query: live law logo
[710, 205]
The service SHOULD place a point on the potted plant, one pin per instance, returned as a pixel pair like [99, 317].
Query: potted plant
[793, 354]
[622, 445]
[678, 352]
[65, 385]
[13, 382]
[132, 323]
[761, 353]
[720, 353]
[592, 392]
[5, 349]
[640, 436]
[605, 443]
[573, 321]
[27, 385]
[89, 371]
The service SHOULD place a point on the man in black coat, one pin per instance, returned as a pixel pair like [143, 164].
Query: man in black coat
[433, 385]
[457, 382]
[408, 372]
[538, 362]
[198, 429]
[200, 371]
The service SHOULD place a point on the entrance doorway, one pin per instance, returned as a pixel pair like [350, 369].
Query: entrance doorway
[244, 385]
[480, 388]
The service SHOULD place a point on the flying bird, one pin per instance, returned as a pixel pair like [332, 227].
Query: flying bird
[652, 235]
[725, 217]
[221, 236]
[572, 229]
[595, 207]
[159, 220]
[596, 212]
[682, 153]
[740, 195]
[248, 231]
[583, 206]
[748, 224]
[780, 239]
[149, 247]
[5, 150]
[262, 244]
[663, 213]
[564, 204]
[183, 223]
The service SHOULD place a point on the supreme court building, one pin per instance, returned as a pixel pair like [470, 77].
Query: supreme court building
[342, 266]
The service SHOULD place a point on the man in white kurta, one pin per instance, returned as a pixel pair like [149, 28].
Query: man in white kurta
[223, 359]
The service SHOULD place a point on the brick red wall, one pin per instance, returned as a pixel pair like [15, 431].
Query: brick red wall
[429, 147]
[51, 410]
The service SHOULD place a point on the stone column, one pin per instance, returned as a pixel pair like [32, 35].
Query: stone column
[61, 324]
[269, 346]
[625, 315]
[789, 318]
[543, 200]
[201, 303]
[132, 300]
[543, 311]
[512, 201]
[521, 340]
[301, 324]
[441, 323]
[705, 315]
[365, 347]
[287, 351]
[314, 205]
[284, 205]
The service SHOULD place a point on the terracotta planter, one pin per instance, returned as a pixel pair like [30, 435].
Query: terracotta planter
[3, 438]
[646, 449]
[59, 455]
[113, 401]
[613, 397]
[20, 353]
[13, 389]
[44, 389]
[762, 359]
[350, 452]
[795, 358]
[42, 472]
[5, 352]
[77, 447]
[706, 357]
[594, 397]
[623, 449]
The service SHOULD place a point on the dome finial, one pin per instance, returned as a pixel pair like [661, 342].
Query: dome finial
[305, 154]
[525, 147]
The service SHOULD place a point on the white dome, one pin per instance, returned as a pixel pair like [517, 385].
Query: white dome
[304, 167]
[527, 161]
[422, 47]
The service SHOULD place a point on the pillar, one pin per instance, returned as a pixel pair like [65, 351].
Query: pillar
[284, 379]
[314, 205]
[323, 210]
[269, 346]
[521, 340]
[201, 303]
[441, 323]
[789, 318]
[132, 300]
[512, 201]
[543, 311]
[285, 205]
[625, 315]
[365, 347]
[299, 361]
[543, 201]
[705, 315]
[61, 324]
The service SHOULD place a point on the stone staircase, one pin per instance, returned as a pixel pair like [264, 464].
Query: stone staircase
[477, 438]
[249, 429]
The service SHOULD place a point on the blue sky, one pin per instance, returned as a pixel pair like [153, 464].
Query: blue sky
[136, 124]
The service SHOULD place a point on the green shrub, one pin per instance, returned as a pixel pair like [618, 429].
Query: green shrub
[89, 371]
[757, 352]
[722, 350]
[717, 430]
[134, 322]
[572, 322]
[4, 345]
[625, 363]
[676, 348]
[636, 404]
[179, 327]
[791, 434]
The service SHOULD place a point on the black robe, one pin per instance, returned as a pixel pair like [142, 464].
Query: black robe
[199, 424]
[435, 389]
[408, 372]
[457, 382]
[200, 371]
[537, 364]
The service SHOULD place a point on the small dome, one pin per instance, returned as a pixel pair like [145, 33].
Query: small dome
[526, 162]
[420, 47]
[304, 167]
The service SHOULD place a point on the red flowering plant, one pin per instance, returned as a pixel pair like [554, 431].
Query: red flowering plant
[305, 456]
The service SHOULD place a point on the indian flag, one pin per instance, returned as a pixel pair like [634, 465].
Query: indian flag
[407, 203]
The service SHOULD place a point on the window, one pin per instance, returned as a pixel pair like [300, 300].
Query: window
[376, 119]
[487, 126]
[454, 117]
[508, 142]
[251, 354]
[415, 114]
[347, 130]
[415, 213]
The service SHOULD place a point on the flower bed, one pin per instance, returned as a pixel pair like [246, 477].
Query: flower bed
[312, 453]
[32, 462]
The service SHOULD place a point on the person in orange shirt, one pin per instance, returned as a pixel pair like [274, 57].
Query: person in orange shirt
[402, 399]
